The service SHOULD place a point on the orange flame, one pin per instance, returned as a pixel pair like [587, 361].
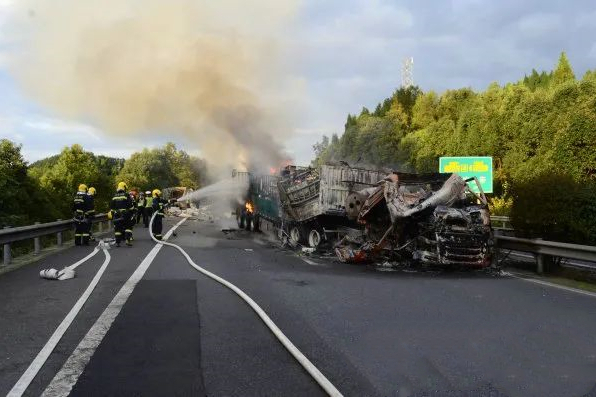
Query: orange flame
[249, 208]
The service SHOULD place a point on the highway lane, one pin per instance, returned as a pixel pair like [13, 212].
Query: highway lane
[32, 308]
[369, 332]
[415, 333]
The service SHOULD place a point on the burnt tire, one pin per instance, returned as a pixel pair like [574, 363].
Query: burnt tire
[295, 235]
[314, 238]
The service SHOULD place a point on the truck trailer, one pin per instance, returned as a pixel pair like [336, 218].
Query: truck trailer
[306, 204]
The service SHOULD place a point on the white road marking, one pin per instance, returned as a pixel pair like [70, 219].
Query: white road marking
[546, 283]
[69, 374]
[25, 380]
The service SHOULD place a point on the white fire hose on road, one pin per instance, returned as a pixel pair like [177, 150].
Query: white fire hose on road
[25, 380]
[301, 358]
[68, 272]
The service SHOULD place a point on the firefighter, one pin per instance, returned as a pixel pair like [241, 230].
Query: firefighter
[90, 214]
[80, 207]
[148, 210]
[121, 210]
[141, 207]
[133, 213]
[158, 208]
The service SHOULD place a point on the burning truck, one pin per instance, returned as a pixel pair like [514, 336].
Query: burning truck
[364, 214]
[305, 204]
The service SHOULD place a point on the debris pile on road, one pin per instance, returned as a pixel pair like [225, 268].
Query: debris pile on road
[201, 213]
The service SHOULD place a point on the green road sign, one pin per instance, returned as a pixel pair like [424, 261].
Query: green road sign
[467, 167]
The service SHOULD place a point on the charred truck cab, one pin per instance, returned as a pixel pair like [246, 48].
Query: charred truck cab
[433, 219]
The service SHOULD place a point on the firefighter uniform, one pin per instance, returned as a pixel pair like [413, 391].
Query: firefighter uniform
[121, 209]
[90, 214]
[132, 219]
[148, 210]
[81, 206]
[158, 208]
[141, 207]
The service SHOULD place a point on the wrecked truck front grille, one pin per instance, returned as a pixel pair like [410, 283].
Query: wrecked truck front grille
[464, 249]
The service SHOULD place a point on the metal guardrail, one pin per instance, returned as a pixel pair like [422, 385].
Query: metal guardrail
[542, 248]
[10, 235]
[501, 222]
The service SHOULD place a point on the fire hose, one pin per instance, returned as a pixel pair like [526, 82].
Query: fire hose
[25, 380]
[301, 358]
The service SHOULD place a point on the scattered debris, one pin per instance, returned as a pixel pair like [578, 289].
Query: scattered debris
[192, 212]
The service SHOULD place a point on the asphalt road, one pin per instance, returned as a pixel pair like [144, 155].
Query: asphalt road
[372, 333]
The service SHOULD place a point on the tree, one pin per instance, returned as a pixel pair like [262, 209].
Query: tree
[426, 110]
[60, 181]
[14, 185]
[161, 168]
[563, 71]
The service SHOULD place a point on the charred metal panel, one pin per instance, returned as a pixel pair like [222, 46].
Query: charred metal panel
[309, 193]
[338, 181]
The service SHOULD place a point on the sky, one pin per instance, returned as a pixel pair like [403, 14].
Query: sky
[346, 54]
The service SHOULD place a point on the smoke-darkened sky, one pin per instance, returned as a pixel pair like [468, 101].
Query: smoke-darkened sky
[337, 56]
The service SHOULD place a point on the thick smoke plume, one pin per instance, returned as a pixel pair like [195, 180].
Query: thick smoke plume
[200, 68]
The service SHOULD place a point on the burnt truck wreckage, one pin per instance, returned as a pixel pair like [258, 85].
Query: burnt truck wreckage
[431, 219]
[305, 204]
[367, 214]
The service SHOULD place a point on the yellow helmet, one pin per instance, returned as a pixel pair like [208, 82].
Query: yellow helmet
[92, 191]
[122, 186]
[82, 187]
[156, 192]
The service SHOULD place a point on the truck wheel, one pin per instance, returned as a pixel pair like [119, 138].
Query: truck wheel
[314, 238]
[295, 235]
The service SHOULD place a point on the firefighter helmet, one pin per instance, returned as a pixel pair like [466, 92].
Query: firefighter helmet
[156, 192]
[122, 186]
[82, 187]
[92, 191]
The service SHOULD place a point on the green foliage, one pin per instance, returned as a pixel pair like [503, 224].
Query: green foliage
[535, 80]
[563, 73]
[554, 206]
[500, 206]
[21, 201]
[163, 167]
[372, 138]
[544, 124]
[60, 180]
[44, 191]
